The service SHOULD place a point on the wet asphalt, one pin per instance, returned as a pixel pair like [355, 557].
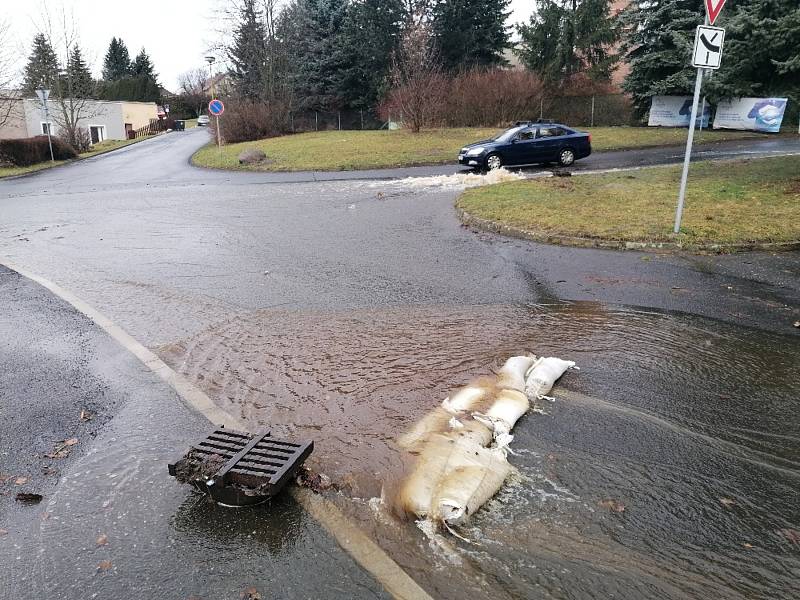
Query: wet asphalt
[109, 512]
[168, 250]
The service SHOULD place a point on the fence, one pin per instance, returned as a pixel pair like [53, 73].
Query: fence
[588, 111]
[320, 120]
[155, 126]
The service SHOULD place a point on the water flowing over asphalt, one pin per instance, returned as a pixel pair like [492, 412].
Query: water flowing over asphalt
[668, 467]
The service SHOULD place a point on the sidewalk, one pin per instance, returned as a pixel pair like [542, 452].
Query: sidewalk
[112, 523]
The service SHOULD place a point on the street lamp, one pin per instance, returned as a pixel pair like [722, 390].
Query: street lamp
[44, 94]
[210, 60]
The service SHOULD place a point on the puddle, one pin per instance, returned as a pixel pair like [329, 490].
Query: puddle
[687, 427]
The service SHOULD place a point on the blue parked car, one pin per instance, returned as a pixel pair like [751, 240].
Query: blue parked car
[528, 143]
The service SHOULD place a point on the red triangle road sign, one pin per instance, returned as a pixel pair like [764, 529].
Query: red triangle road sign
[713, 8]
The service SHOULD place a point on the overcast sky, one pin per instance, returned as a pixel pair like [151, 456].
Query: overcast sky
[175, 33]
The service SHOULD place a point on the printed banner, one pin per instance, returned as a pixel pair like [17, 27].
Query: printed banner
[754, 114]
[675, 111]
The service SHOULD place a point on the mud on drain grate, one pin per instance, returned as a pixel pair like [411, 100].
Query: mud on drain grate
[240, 469]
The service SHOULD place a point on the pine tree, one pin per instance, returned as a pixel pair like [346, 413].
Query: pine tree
[316, 45]
[762, 50]
[470, 33]
[142, 66]
[658, 41]
[79, 78]
[248, 53]
[117, 62]
[570, 37]
[370, 35]
[42, 68]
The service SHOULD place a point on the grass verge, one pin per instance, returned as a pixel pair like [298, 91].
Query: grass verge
[727, 203]
[353, 150]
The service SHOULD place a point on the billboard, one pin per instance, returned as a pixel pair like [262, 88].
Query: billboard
[675, 111]
[755, 114]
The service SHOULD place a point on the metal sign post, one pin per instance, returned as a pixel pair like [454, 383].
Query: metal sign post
[707, 55]
[44, 94]
[216, 108]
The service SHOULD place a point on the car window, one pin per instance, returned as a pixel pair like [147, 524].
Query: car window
[545, 132]
[526, 134]
[507, 135]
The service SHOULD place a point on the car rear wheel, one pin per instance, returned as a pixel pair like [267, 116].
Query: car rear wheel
[493, 162]
[566, 157]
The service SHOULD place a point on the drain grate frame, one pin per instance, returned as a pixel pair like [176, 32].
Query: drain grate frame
[240, 469]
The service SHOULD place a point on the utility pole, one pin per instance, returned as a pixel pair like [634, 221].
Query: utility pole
[210, 60]
[44, 94]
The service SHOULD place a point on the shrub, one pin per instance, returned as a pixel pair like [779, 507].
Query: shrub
[245, 121]
[496, 97]
[81, 141]
[24, 152]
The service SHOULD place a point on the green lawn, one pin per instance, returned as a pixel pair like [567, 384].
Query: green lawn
[727, 203]
[12, 171]
[351, 150]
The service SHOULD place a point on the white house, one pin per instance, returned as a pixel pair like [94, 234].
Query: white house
[103, 119]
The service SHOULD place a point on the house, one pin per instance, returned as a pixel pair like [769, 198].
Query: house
[103, 119]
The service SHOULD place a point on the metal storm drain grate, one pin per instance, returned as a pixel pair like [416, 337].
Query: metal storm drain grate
[240, 469]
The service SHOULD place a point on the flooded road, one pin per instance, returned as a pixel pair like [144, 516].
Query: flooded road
[669, 466]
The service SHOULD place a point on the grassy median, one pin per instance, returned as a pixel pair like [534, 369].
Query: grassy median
[727, 203]
[352, 150]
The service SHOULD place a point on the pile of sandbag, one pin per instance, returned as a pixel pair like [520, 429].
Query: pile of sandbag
[462, 445]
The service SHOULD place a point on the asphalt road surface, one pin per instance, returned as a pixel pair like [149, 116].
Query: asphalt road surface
[317, 302]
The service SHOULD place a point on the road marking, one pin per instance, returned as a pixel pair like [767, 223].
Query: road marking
[355, 542]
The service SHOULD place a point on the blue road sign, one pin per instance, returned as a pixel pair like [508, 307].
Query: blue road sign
[216, 107]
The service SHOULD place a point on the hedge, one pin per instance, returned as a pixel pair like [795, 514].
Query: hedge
[24, 152]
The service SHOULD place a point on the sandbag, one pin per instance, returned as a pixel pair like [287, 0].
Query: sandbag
[505, 411]
[511, 375]
[466, 488]
[441, 454]
[543, 374]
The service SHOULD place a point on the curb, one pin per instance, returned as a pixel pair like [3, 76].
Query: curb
[605, 244]
[365, 552]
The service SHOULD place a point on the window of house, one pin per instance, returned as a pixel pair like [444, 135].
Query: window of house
[47, 128]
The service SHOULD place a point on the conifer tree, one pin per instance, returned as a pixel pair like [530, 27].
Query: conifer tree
[569, 37]
[470, 33]
[658, 40]
[79, 77]
[248, 53]
[42, 68]
[117, 62]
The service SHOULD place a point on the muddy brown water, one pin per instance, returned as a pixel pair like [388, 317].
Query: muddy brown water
[668, 467]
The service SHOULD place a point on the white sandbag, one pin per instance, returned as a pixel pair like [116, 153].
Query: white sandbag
[511, 375]
[466, 488]
[466, 398]
[543, 374]
[441, 454]
[505, 411]
[436, 421]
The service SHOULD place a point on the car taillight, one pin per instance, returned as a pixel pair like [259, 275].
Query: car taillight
[590, 138]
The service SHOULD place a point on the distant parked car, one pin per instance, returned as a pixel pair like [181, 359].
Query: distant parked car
[202, 120]
[528, 143]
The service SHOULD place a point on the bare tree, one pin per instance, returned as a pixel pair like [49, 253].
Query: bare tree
[73, 104]
[195, 89]
[418, 84]
[9, 97]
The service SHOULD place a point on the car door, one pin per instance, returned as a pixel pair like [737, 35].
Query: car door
[549, 140]
[522, 148]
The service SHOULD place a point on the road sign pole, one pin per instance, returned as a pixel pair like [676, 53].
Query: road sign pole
[687, 158]
[219, 138]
